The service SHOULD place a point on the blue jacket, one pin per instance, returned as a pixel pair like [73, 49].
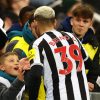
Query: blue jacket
[15, 30]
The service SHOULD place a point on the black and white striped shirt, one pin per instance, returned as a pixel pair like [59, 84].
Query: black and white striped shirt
[62, 58]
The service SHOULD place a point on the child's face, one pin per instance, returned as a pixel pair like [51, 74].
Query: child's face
[11, 65]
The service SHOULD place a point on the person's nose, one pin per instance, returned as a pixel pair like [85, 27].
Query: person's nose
[81, 23]
[16, 63]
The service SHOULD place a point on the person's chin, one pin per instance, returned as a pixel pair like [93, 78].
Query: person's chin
[15, 74]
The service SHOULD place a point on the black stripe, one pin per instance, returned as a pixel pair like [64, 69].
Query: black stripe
[40, 51]
[69, 87]
[11, 46]
[82, 86]
[52, 64]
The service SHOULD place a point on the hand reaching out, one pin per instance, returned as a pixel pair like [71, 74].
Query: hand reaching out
[24, 64]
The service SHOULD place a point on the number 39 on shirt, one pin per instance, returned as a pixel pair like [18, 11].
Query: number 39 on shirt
[76, 57]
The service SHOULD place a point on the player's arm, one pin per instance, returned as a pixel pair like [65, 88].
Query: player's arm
[33, 80]
[34, 77]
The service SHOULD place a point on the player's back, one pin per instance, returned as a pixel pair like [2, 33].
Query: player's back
[64, 72]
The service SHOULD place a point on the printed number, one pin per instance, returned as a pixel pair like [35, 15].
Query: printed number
[77, 57]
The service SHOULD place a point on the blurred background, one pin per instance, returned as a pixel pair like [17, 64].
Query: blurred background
[9, 10]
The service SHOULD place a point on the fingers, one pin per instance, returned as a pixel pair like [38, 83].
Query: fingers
[91, 86]
[25, 63]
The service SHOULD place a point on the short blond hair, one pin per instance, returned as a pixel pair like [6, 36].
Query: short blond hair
[44, 12]
[5, 55]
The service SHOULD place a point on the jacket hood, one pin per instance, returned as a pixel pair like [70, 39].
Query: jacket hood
[27, 34]
[65, 25]
[14, 33]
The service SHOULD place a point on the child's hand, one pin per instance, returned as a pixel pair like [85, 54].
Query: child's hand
[24, 64]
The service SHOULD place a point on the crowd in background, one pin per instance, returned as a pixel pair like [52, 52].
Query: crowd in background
[10, 10]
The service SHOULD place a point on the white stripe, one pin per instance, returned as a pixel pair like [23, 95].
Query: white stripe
[5, 82]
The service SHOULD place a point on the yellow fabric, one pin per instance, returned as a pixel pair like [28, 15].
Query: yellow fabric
[91, 52]
[16, 38]
[31, 54]
[41, 95]
[21, 44]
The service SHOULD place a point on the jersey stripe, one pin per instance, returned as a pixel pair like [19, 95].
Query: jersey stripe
[53, 68]
[68, 82]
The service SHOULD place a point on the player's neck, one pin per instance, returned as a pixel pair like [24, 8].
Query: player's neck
[46, 29]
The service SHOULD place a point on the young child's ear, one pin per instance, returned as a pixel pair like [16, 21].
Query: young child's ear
[2, 68]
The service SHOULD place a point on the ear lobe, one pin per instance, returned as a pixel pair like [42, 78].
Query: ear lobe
[2, 68]
[35, 22]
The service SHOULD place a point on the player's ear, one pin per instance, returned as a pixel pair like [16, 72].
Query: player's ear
[35, 23]
[55, 23]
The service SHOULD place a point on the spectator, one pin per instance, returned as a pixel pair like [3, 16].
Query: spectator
[10, 67]
[56, 62]
[17, 5]
[7, 16]
[22, 47]
[80, 24]
[16, 29]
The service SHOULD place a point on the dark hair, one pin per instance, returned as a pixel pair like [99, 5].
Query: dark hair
[84, 11]
[3, 56]
[31, 19]
[25, 10]
[6, 13]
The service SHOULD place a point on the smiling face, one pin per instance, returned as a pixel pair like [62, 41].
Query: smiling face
[11, 65]
[80, 25]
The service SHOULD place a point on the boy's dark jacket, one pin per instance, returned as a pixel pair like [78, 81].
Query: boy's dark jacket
[9, 93]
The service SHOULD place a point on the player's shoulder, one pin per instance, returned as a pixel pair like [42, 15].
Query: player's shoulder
[38, 40]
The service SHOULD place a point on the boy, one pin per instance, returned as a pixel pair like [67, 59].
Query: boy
[10, 67]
